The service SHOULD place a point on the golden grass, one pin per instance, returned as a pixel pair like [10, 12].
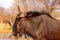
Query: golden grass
[5, 28]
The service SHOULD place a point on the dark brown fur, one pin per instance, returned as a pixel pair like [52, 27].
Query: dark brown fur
[40, 26]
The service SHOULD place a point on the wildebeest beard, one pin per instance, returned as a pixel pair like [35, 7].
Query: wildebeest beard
[32, 22]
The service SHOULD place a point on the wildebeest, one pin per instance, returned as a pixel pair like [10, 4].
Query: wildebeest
[39, 26]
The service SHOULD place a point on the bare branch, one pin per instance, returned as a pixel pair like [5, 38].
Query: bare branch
[50, 5]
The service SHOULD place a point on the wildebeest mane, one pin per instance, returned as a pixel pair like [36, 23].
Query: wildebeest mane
[35, 14]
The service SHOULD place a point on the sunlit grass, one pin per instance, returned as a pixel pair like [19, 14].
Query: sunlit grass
[5, 28]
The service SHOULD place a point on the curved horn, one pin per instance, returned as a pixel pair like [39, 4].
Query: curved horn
[19, 11]
[23, 8]
[22, 12]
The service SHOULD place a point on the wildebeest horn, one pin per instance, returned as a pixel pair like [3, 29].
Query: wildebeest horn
[23, 13]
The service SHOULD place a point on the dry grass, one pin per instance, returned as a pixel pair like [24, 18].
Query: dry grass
[5, 28]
